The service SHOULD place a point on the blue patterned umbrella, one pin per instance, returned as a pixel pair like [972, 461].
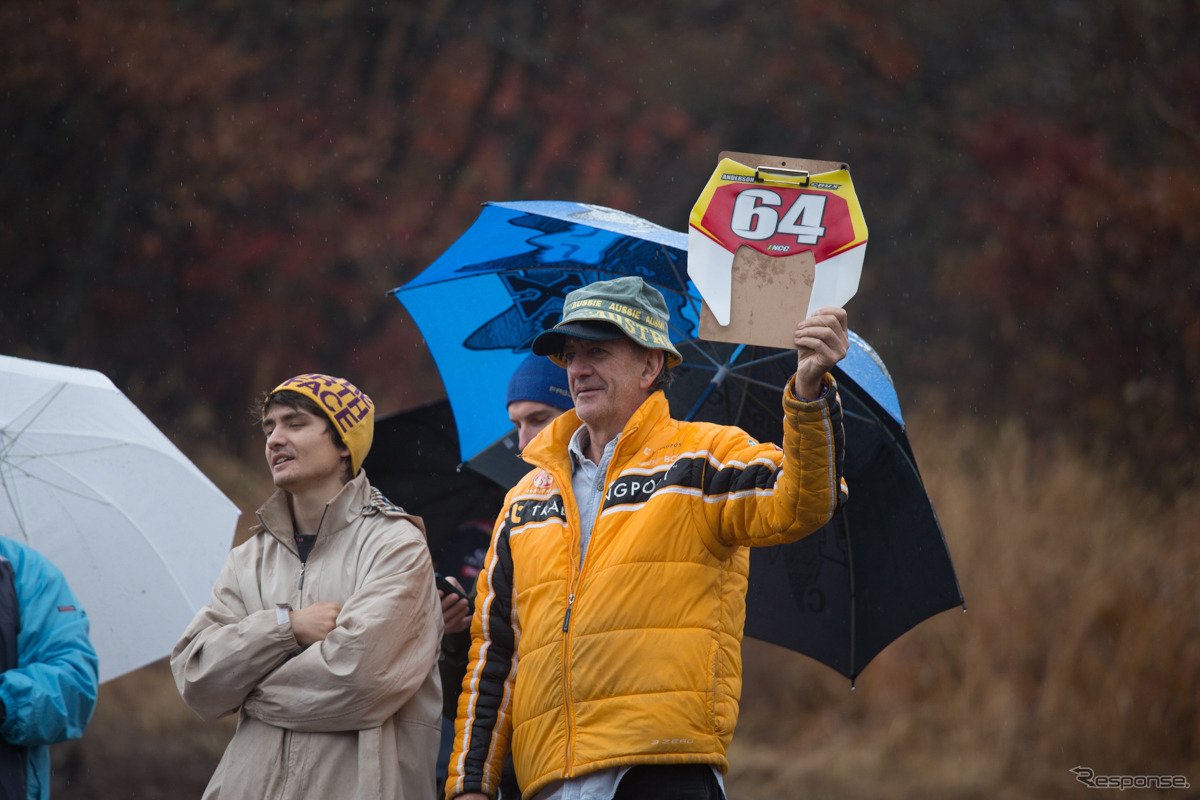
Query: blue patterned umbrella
[480, 305]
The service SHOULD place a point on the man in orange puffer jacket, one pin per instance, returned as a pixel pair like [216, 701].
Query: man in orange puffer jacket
[616, 576]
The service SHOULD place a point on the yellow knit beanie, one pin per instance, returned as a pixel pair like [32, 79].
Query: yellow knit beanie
[351, 411]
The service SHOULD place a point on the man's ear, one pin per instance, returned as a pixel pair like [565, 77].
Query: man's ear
[655, 363]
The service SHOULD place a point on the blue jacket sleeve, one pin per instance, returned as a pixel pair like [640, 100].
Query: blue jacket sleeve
[49, 697]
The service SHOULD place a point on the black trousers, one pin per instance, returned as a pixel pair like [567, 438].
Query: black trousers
[669, 782]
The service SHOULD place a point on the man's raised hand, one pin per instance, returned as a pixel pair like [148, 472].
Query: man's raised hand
[821, 341]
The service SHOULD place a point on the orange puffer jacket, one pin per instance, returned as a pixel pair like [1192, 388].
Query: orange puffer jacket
[635, 658]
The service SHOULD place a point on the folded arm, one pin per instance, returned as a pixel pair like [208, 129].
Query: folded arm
[227, 650]
[378, 655]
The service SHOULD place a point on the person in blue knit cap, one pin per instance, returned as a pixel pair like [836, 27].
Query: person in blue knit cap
[537, 394]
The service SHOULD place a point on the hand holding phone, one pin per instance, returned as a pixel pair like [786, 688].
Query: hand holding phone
[456, 607]
[447, 587]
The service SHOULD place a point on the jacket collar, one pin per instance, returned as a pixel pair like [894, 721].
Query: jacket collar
[346, 506]
[549, 449]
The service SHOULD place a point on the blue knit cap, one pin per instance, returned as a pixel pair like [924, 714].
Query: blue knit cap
[541, 380]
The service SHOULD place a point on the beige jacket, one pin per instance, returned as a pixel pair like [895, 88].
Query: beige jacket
[356, 716]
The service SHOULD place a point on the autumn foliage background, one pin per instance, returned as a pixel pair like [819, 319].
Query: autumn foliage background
[200, 199]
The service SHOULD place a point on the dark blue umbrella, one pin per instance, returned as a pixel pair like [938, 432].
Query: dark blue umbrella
[881, 565]
[840, 595]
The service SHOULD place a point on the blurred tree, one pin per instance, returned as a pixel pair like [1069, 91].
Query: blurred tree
[1077, 243]
[203, 198]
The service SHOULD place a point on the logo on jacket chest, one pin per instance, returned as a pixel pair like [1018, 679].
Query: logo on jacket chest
[634, 489]
[524, 512]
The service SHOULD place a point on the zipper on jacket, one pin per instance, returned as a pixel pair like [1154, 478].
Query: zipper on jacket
[316, 541]
[303, 562]
[568, 710]
[576, 580]
[567, 618]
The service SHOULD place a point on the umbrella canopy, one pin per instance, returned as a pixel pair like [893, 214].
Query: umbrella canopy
[839, 595]
[413, 462]
[881, 565]
[480, 305]
[88, 481]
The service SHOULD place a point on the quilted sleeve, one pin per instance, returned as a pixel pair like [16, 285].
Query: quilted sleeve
[757, 494]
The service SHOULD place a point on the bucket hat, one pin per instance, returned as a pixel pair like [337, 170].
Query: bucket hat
[611, 309]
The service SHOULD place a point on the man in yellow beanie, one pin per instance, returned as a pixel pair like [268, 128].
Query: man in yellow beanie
[323, 629]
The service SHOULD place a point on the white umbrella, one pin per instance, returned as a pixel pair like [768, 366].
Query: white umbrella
[92, 484]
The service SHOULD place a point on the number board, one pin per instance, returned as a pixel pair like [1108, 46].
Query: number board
[780, 213]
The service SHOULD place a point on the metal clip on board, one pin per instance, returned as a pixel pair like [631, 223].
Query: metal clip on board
[797, 177]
